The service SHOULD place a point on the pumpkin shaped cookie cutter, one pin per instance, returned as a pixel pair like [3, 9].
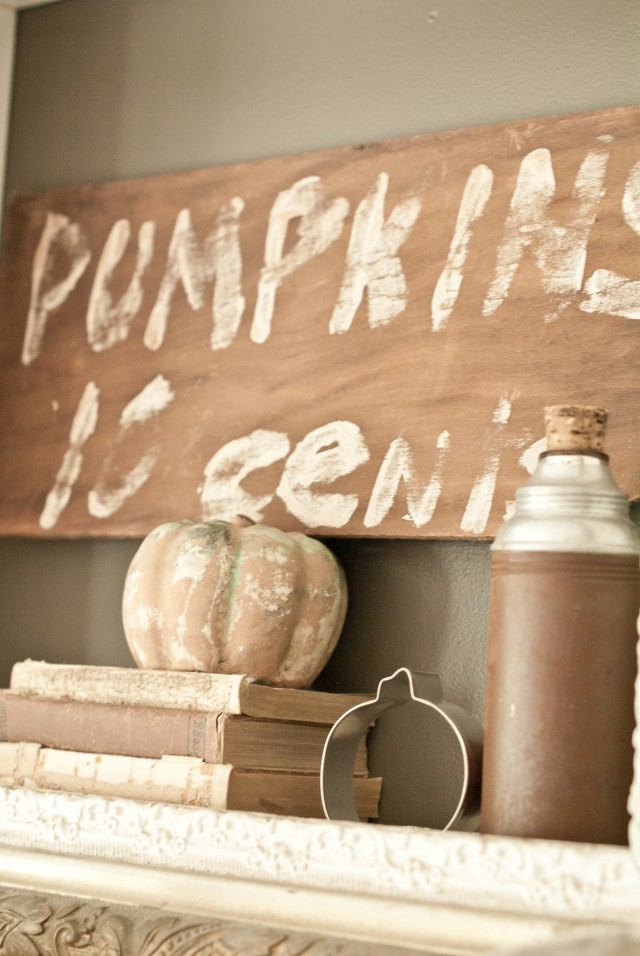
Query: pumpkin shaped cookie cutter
[403, 686]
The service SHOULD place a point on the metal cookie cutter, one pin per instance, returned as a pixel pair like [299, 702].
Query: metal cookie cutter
[339, 754]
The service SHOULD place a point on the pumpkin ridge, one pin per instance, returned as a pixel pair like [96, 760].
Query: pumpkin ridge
[317, 560]
[183, 570]
[269, 573]
[233, 540]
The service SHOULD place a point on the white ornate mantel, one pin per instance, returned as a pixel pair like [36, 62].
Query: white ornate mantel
[394, 886]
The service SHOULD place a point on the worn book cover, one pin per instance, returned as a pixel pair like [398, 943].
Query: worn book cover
[182, 780]
[187, 690]
[153, 732]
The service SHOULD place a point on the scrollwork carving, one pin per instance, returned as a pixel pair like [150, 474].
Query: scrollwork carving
[634, 796]
[37, 925]
[31, 925]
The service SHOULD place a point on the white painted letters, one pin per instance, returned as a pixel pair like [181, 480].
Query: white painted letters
[83, 426]
[103, 500]
[436, 364]
[321, 222]
[323, 456]
[560, 250]
[59, 235]
[372, 260]
[107, 323]
[529, 457]
[608, 292]
[474, 200]
[220, 258]
[222, 496]
[399, 465]
[476, 515]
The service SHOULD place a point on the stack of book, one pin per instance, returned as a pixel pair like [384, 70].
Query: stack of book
[212, 740]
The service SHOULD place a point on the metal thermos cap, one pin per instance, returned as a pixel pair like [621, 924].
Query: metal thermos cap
[571, 503]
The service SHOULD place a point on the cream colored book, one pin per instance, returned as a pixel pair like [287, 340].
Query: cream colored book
[183, 780]
[187, 690]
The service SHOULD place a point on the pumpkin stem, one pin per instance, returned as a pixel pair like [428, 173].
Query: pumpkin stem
[242, 521]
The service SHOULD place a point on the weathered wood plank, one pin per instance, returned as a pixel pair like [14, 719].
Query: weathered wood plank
[355, 341]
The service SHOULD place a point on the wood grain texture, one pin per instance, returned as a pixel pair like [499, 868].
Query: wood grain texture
[374, 329]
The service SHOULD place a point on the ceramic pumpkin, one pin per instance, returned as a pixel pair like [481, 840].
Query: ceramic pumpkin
[234, 598]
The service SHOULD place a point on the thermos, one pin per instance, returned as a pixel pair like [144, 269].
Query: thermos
[564, 598]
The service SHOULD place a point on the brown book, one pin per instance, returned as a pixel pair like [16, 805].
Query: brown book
[181, 780]
[184, 690]
[139, 731]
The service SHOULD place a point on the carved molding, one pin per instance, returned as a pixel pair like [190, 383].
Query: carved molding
[543, 878]
[634, 795]
[607, 944]
[36, 924]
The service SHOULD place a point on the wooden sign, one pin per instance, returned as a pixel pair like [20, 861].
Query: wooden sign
[357, 341]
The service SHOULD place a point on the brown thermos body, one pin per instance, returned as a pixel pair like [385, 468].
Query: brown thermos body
[565, 592]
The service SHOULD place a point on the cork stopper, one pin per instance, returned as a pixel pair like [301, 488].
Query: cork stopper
[575, 428]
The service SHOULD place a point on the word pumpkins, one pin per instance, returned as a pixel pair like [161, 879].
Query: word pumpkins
[234, 598]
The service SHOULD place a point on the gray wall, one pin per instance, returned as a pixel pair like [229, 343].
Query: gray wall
[106, 89]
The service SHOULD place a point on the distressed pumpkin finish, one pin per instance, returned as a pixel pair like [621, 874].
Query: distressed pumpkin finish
[232, 599]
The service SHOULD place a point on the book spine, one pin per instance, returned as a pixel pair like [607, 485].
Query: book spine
[295, 794]
[154, 732]
[110, 728]
[183, 690]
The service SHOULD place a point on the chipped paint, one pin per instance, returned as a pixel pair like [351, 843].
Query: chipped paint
[107, 322]
[559, 248]
[321, 221]
[83, 427]
[59, 235]
[474, 199]
[399, 465]
[254, 600]
[372, 260]
[104, 500]
[478, 509]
